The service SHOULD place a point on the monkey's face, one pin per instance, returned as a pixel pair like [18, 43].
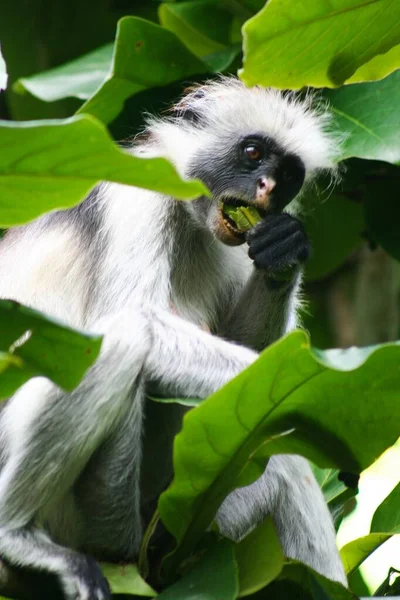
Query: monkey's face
[253, 171]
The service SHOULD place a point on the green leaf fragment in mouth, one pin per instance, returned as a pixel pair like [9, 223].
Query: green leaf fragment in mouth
[244, 217]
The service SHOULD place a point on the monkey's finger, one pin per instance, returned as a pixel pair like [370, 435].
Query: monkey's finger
[287, 252]
[273, 236]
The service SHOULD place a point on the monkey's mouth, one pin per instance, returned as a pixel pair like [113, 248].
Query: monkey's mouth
[239, 216]
[236, 217]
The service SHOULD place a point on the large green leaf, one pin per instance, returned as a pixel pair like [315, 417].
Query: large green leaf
[3, 73]
[202, 25]
[318, 44]
[213, 578]
[125, 579]
[145, 55]
[368, 114]
[387, 516]
[259, 557]
[355, 552]
[290, 388]
[33, 344]
[79, 78]
[47, 165]
[379, 67]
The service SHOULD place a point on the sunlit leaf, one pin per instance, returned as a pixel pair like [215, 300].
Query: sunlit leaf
[125, 579]
[368, 114]
[355, 552]
[318, 44]
[47, 165]
[387, 516]
[379, 67]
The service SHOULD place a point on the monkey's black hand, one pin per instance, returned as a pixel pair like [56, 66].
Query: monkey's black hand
[277, 243]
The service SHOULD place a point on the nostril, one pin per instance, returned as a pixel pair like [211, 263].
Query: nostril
[266, 184]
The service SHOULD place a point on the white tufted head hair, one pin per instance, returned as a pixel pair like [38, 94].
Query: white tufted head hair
[225, 107]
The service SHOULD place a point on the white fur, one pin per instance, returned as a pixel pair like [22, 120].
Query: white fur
[299, 126]
[155, 283]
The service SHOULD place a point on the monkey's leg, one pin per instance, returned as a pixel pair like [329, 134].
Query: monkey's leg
[289, 492]
[50, 437]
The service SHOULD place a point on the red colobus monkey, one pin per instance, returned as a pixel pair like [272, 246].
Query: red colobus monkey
[150, 273]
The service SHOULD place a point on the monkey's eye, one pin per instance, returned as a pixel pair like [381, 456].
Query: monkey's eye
[253, 152]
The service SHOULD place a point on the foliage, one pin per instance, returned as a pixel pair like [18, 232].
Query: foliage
[320, 43]
[338, 408]
[53, 164]
[32, 344]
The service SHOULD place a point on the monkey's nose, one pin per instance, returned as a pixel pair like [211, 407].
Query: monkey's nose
[265, 185]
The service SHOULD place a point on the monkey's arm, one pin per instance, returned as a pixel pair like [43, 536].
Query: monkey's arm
[266, 307]
[263, 312]
[187, 361]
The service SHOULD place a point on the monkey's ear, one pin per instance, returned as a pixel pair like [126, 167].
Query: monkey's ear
[190, 105]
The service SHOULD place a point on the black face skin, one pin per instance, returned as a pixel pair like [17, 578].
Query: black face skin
[279, 240]
[235, 173]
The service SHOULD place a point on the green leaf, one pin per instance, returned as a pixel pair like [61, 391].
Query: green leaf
[387, 516]
[14, 372]
[125, 579]
[145, 55]
[38, 345]
[222, 60]
[47, 165]
[357, 584]
[336, 493]
[322, 224]
[259, 558]
[3, 73]
[379, 67]
[291, 388]
[182, 401]
[79, 78]
[329, 482]
[391, 586]
[354, 553]
[385, 523]
[213, 578]
[368, 114]
[316, 586]
[318, 44]
[202, 25]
